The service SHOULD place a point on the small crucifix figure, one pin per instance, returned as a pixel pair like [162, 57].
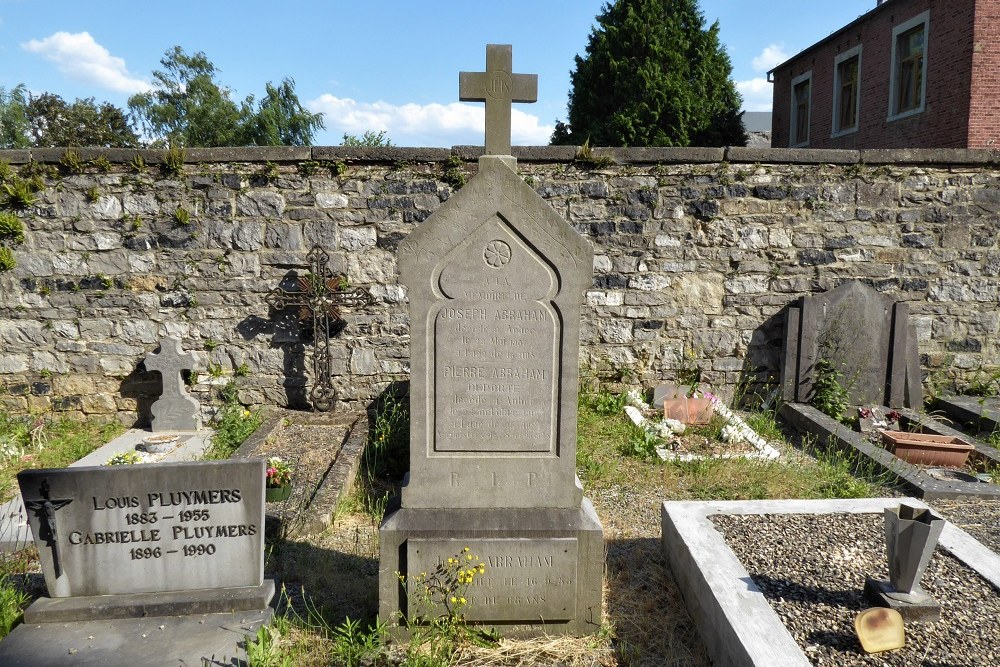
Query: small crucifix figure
[45, 509]
[498, 87]
[320, 296]
[175, 410]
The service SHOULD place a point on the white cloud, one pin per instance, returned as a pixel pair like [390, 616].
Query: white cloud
[773, 54]
[424, 124]
[82, 59]
[757, 94]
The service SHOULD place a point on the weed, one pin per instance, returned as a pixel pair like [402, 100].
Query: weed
[126, 458]
[5, 171]
[336, 167]
[453, 174]
[13, 600]
[93, 194]
[173, 161]
[211, 344]
[214, 370]
[101, 163]
[269, 171]
[242, 371]
[387, 451]
[641, 444]
[11, 228]
[233, 425]
[354, 645]
[72, 162]
[182, 216]
[829, 396]
[137, 164]
[308, 168]
[19, 193]
[530, 180]
[585, 157]
[7, 261]
[136, 224]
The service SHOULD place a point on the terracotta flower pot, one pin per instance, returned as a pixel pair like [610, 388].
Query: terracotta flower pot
[277, 494]
[695, 411]
[931, 450]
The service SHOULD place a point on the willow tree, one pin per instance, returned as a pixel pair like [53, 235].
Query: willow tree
[653, 75]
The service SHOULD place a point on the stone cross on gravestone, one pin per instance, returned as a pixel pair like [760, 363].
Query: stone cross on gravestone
[320, 296]
[175, 410]
[499, 88]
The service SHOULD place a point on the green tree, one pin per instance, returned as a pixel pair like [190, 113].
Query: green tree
[653, 75]
[370, 139]
[14, 131]
[54, 122]
[189, 107]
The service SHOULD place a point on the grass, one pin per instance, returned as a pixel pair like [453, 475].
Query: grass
[46, 442]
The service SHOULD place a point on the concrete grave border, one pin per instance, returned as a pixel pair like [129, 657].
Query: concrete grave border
[734, 619]
[976, 410]
[832, 433]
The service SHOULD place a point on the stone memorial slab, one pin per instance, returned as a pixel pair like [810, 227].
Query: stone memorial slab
[495, 279]
[864, 334]
[176, 409]
[121, 530]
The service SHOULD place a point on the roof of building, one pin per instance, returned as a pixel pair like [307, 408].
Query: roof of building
[833, 34]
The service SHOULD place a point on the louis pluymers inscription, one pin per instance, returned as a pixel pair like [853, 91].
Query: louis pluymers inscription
[524, 579]
[165, 521]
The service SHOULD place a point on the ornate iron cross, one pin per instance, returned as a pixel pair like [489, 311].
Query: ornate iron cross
[320, 296]
[498, 87]
[45, 510]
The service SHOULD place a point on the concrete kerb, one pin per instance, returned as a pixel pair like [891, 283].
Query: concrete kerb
[834, 434]
[980, 412]
[734, 619]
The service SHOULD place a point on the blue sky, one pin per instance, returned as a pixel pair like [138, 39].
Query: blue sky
[369, 65]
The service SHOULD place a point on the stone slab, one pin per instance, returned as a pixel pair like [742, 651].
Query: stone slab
[977, 411]
[735, 621]
[834, 434]
[792, 155]
[143, 529]
[205, 640]
[527, 576]
[562, 561]
[922, 610]
[173, 603]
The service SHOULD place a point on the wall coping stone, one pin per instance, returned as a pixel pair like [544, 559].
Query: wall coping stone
[652, 155]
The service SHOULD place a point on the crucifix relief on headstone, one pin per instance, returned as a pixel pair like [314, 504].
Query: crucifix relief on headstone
[319, 298]
[45, 508]
[498, 87]
[176, 409]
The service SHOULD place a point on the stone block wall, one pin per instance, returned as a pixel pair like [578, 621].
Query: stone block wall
[698, 251]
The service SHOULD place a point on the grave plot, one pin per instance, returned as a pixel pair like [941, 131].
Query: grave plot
[980, 413]
[854, 348]
[780, 582]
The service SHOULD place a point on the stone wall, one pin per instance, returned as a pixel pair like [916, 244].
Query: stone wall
[697, 253]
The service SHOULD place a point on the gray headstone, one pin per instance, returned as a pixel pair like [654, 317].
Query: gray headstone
[665, 391]
[119, 530]
[175, 410]
[864, 334]
[495, 280]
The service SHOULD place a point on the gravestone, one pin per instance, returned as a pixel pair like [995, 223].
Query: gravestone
[495, 280]
[867, 337]
[176, 409]
[120, 545]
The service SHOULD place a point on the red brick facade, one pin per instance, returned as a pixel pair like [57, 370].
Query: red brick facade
[961, 89]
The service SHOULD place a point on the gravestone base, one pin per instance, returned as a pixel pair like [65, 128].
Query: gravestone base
[152, 641]
[136, 605]
[544, 567]
[917, 607]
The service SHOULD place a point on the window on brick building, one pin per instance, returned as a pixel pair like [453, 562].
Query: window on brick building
[908, 85]
[801, 110]
[846, 91]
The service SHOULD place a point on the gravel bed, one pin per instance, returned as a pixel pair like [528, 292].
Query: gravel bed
[812, 570]
[979, 518]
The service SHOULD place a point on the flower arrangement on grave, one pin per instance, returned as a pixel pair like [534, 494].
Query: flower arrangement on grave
[128, 458]
[279, 473]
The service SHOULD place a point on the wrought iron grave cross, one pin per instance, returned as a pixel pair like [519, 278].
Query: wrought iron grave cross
[320, 296]
[499, 88]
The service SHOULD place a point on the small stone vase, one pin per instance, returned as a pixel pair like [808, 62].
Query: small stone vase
[277, 494]
[911, 533]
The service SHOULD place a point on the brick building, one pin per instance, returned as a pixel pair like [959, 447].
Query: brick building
[907, 74]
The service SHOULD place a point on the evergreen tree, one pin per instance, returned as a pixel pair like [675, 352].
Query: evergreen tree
[653, 75]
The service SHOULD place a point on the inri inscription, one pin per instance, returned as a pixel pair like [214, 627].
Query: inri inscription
[495, 338]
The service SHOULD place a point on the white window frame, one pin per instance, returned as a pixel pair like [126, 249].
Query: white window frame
[925, 19]
[793, 119]
[838, 89]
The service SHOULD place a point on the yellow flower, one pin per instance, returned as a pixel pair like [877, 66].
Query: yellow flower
[468, 557]
[461, 600]
[454, 599]
[482, 568]
[246, 413]
[451, 561]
